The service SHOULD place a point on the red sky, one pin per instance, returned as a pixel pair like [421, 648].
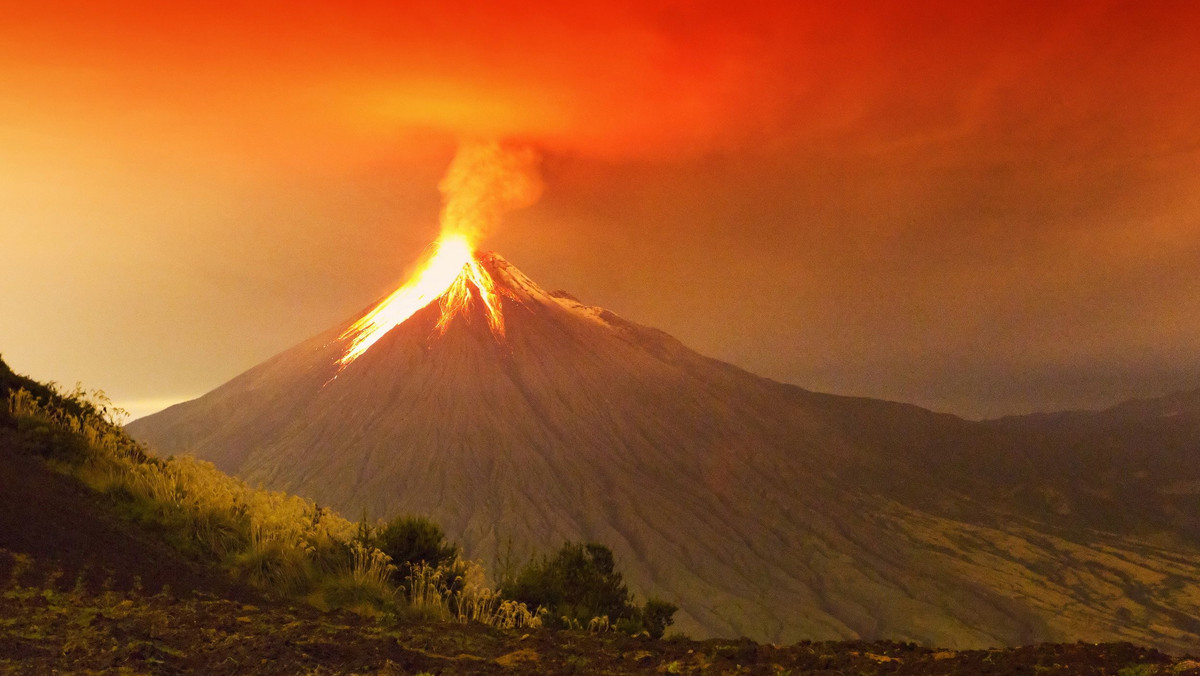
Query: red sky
[983, 208]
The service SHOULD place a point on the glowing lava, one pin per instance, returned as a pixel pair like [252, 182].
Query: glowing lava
[484, 181]
[449, 277]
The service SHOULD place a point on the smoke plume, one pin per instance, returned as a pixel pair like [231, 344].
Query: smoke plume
[486, 180]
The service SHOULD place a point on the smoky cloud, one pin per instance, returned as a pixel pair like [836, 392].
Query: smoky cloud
[486, 180]
[655, 79]
[623, 79]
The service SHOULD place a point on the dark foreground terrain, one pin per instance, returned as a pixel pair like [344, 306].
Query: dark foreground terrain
[52, 624]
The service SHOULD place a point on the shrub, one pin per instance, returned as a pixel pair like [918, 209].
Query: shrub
[578, 583]
[657, 615]
[413, 540]
[580, 587]
[37, 437]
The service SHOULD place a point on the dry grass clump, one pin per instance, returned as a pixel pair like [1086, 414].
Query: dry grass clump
[459, 593]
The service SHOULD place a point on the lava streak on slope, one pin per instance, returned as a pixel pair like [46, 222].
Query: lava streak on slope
[448, 277]
[483, 182]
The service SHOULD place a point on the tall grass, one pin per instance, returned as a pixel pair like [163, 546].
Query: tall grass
[280, 543]
[459, 593]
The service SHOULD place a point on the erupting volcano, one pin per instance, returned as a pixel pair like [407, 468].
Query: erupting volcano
[520, 418]
[484, 181]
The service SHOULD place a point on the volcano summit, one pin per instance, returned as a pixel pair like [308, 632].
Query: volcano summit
[518, 417]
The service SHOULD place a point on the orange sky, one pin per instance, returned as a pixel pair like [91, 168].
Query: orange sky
[979, 207]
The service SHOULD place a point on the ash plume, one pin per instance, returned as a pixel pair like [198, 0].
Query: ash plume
[484, 181]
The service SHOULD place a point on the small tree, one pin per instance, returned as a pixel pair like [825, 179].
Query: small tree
[657, 615]
[427, 564]
[413, 540]
[580, 582]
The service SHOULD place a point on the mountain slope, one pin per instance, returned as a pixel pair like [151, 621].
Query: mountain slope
[760, 508]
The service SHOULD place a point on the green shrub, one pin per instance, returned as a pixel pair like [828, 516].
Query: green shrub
[413, 540]
[42, 438]
[657, 615]
[580, 584]
[426, 565]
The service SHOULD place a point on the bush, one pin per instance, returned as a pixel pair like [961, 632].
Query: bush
[37, 437]
[580, 583]
[657, 615]
[413, 540]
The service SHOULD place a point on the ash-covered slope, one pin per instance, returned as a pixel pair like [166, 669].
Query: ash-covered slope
[755, 506]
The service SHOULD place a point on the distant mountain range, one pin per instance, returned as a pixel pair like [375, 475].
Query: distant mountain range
[760, 508]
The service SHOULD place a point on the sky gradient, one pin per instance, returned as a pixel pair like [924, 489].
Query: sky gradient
[982, 208]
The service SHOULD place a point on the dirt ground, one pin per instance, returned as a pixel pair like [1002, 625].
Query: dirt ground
[55, 626]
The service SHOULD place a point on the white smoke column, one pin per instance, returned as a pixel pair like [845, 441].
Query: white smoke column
[484, 181]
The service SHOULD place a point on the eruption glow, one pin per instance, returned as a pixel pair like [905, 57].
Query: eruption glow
[448, 276]
[483, 182]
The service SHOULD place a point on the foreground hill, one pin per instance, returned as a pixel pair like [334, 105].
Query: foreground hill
[76, 535]
[761, 509]
[49, 630]
[73, 533]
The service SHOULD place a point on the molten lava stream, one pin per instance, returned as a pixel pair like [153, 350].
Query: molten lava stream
[448, 276]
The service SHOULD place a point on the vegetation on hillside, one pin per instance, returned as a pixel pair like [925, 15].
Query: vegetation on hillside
[51, 624]
[292, 548]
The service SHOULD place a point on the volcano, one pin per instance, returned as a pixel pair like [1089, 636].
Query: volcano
[760, 508]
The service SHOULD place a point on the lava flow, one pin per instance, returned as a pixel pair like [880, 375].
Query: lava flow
[448, 277]
[484, 181]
